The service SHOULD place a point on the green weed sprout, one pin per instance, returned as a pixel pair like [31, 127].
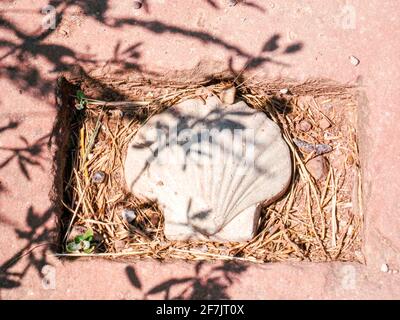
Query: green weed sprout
[82, 100]
[82, 243]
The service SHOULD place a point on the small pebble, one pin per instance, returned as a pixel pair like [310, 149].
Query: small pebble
[395, 271]
[154, 220]
[99, 177]
[228, 95]
[304, 126]
[203, 248]
[324, 124]
[384, 268]
[128, 215]
[319, 148]
[284, 91]
[322, 148]
[318, 167]
[354, 61]
[137, 4]
[119, 245]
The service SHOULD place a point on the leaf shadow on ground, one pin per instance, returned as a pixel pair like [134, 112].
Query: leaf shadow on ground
[23, 47]
[29, 78]
[37, 236]
[207, 282]
[215, 4]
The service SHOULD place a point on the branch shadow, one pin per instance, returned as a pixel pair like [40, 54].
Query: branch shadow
[212, 284]
[38, 238]
[213, 4]
[32, 80]
[28, 46]
[247, 3]
[12, 124]
[29, 155]
[15, 62]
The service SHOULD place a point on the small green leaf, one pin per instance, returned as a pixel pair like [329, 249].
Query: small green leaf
[73, 247]
[89, 250]
[85, 245]
[88, 235]
[79, 239]
[82, 100]
[80, 95]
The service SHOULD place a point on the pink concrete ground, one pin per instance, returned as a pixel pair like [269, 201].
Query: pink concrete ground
[313, 39]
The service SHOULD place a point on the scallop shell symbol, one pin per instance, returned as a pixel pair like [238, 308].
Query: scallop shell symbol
[209, 166]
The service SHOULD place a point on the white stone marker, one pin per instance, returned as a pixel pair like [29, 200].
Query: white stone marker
[209, 166]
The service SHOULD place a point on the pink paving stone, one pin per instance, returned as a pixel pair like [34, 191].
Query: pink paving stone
[176, 36]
